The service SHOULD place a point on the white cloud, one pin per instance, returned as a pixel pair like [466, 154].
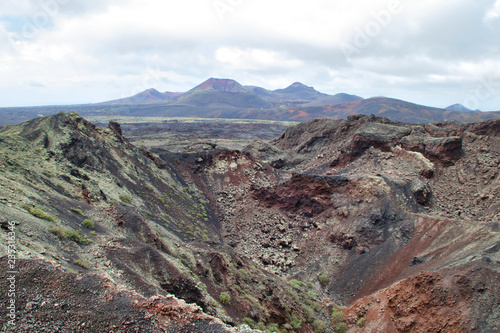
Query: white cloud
[256, 59]
[102, 49]
[494, 12]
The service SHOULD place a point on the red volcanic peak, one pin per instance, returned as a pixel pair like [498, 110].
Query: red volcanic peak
[220, 85]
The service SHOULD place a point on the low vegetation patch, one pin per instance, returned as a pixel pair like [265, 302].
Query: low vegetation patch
[88, 224]
[323, 279]
[82, 263]
[225, 298]
[38, 212]
[273, 328]
[340, 327]
[126, 198]
[77, 210]
[296, 283]
[71, 234]
[361, 322]
[296, 321]
[47, 174]
[319, 326]
[249, 322]
[337, 317]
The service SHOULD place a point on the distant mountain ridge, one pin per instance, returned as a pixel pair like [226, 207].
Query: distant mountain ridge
[457, 107]
[298, 90]
[147, 96]
[227, 98]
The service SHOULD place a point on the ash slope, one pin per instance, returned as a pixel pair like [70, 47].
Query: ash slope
[397, 221]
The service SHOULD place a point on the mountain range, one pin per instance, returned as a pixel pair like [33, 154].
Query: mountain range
[226, 98]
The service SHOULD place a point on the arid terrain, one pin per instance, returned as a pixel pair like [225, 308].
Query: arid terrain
[356, 225]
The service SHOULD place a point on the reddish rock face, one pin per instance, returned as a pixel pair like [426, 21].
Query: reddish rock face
[305, 195]
[447, 301]
[85, 195]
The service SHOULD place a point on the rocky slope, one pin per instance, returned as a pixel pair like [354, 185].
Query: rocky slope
[85, 200]
[398, 222]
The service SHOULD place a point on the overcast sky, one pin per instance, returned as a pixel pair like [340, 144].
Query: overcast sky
[432, 52]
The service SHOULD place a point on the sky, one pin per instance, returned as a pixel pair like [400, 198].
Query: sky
[431, 52]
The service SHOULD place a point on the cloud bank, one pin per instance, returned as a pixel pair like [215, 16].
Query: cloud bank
[73, 51]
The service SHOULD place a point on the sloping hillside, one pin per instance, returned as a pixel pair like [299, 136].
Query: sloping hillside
[87, 201]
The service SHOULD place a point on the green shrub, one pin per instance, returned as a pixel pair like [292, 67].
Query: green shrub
[82, 263]
[47, 174]
[361, 322]
[88, 224]
[77, 237]
[249, 322]
[246, 272]
[338, 308]
[185, 262]
[260, 326]
[37, 212]
[251, 299]
[337, 317]
[340, 328]
[296, 283]
[225, 298]
[71, 234]
[296, 321]
[323, 279]
[77, 210]
[308, 312]
[148, 187]
[319, 326]
[58, 231]
[273, 328]
[126, 198]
